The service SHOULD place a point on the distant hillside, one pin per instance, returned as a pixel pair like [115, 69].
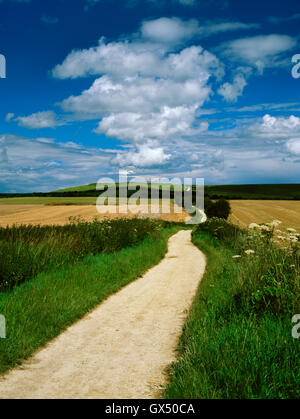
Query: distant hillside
[276, 192]
[272, 192]
[288, 191]
[90, 187]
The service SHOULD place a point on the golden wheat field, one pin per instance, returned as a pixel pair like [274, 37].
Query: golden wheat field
[244, 212]
[250, 211]
[60, 214]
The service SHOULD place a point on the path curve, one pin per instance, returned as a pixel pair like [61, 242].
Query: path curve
[122, 348]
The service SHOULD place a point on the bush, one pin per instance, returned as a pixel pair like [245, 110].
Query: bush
[220, 208]
[220, 229]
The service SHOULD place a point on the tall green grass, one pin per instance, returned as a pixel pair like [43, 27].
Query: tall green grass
[237, 340]
[26, 251]
[38, 310]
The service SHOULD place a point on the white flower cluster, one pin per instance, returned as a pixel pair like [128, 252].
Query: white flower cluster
[291, 235]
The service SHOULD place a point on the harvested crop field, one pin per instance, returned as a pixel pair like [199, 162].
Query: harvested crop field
[59, 214]
[245, 212]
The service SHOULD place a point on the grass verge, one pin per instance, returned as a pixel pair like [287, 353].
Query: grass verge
[40, 309]
[237, 340]
[26, 251]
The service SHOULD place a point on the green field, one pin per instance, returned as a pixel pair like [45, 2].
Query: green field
[92, 187]
[276, 192]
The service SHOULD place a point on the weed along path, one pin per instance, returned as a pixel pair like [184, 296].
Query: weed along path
[120, 349]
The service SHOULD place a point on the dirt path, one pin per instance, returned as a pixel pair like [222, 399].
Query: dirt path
[120, 349]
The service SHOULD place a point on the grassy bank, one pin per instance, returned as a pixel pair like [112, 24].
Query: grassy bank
[39, 309]
[237, 341]
[25, 251]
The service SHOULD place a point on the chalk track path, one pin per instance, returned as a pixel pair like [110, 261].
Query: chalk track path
[122, 348]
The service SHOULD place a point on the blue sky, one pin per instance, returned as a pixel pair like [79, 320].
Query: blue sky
[169, 88]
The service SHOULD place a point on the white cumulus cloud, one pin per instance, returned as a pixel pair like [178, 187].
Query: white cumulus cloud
[261, 51]
[146, 92]
[146, 156]
[148, 88]
[46, 119]
[280, 125]
[293, 145]
[231, 91]
[169, 123]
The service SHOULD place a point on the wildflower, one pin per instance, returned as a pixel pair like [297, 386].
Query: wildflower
[275, 223]
[249, 252]
[253, 225]
[236, 256]
[291, 230]
[264, 227]
[280, 237]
